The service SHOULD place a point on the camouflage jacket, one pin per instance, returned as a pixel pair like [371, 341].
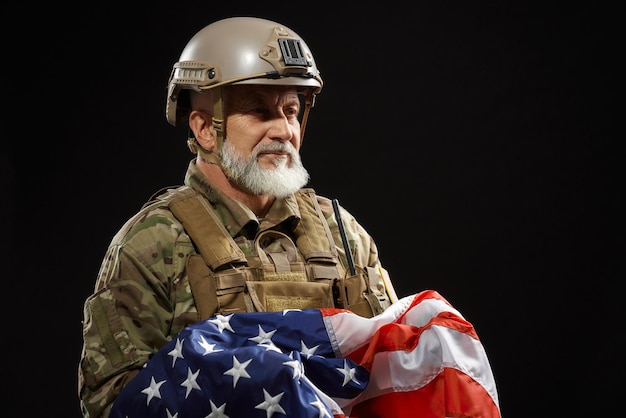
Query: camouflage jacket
[142, 297]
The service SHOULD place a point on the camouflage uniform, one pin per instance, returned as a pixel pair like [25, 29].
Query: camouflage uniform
[142, 297]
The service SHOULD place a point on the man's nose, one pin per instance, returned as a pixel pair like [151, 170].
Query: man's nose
[281, 129]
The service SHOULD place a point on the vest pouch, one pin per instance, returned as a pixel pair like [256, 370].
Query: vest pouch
[230, 285]
[220, 292]
[322, 270]
[350, 293]
[273, 296]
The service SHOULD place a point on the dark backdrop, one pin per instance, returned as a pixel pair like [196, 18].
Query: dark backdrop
[475, 142]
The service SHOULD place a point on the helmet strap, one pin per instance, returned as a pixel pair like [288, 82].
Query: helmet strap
[309, 102]
[218, 124]
[218, 118]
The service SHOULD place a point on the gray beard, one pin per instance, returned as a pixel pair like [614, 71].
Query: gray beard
[280, 181]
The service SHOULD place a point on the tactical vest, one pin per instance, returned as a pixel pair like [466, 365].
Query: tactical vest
[277, 276]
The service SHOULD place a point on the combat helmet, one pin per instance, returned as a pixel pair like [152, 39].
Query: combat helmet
[240, 50]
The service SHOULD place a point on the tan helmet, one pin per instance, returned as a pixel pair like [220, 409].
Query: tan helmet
[241, 50]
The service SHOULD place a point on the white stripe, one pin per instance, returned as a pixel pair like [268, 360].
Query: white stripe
[439, 347]
[348, 331]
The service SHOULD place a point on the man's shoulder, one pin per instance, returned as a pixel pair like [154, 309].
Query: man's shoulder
[165, 194]
[152, 220]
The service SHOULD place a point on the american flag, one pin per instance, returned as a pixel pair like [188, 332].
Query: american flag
[419, 358]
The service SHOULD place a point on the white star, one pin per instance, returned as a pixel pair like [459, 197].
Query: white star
[176, 352]
[271, 404]
[238, 370]
[298, 367]
[322, 408]
[208, 348]
[190, 383]
[222, 322]
[348, 373]
[263, 337]
[169, 414]
[308, 352]
[286, 311]
[217, 412]
[153, 390]
[270, 346]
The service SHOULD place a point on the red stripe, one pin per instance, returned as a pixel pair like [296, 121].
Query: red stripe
[421, 297]
[389, 337]
[456, 322]
[333, 311]
[392, 337]
[451, 394]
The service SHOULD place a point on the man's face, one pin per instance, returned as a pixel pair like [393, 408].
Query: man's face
[262, 115]
[260, 151]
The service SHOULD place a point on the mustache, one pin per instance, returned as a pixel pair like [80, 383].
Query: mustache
[275, 147]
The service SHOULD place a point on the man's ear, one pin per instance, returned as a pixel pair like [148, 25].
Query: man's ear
[203, 130]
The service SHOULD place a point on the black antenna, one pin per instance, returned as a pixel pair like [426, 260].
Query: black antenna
[344, 239]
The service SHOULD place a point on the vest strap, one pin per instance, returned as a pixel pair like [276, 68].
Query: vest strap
[314, 238]
[207, 232]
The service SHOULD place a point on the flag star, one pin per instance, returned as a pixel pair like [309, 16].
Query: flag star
[348, 373]
[208, 348]
[321, 407]
[177, 352]
[190, 383]
[271, 404]
[285, 311]
[263, 338]
[222, 322]
[308, 352]
[270, 346]
[298, 368]
[169, 414]
[217, 412]
[238, 370]
[153, 390]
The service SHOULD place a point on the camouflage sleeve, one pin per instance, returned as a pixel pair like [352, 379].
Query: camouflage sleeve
[133, 310]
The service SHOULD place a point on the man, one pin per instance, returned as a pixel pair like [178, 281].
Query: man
[242, 234]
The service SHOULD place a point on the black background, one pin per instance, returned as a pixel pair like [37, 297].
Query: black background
[476, 142]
